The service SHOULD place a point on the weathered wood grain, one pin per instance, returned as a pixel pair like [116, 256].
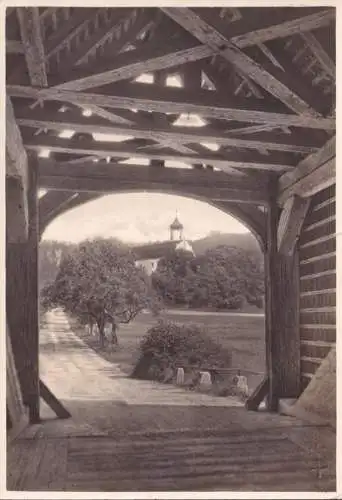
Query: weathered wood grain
[31, 36]
[313, 174]
[129, 65]
[205, 102]
[66, 121]
[104, 149]
[319, 52]
[207, 34]
[287, 28]
[317, 253]
[290, 223]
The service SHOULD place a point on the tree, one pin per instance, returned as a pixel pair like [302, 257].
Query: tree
[50, 256]
[172, 277]
[222, 278]
[98, 282]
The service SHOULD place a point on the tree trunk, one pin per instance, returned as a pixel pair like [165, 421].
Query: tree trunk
[91, 326]
[115, 340]
[101, 325]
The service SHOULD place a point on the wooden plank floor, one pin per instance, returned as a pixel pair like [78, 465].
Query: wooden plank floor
[254, 460]
[127, 435]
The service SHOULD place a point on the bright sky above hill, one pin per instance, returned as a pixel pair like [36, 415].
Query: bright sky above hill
[140, 217]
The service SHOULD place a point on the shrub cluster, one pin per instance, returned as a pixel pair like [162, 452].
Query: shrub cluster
[169, 345]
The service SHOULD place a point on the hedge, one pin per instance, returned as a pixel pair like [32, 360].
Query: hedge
[171, 345]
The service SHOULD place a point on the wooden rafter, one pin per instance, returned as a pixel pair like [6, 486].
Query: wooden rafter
[204, 103]
[281, 30]
[129, 65]
[319, 52]
[98, 39]
[30, 30]
[66, 121]
[229, 159]
[210, 36]
[287, 72]
[216, 186]
[70, 29]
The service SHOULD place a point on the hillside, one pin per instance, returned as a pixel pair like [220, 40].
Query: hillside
[245, 241]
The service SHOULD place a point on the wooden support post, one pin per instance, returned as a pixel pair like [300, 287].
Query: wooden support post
[282, 316]
[32, 316]
[271, 303]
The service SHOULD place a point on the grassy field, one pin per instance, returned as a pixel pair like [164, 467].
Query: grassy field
[243, 335]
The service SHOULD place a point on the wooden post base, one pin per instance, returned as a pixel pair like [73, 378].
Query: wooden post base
[52, 401]
[258, 395]
[33, 409]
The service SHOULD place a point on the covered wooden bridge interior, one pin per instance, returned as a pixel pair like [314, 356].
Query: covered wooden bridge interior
[252, 118]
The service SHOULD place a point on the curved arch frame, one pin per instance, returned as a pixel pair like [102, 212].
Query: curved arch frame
[55, 203]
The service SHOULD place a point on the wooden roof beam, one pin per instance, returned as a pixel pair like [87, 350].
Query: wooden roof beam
[291, 27]
[210, 36]
[116, 177]
[316, 172]
[30, 30]
[230, 159]
[184, 135]
[80, 55]
[129, 65]
[318, 51]
[162, 100]
[74, 25]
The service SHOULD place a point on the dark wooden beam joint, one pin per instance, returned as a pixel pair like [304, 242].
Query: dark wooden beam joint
[290, 223]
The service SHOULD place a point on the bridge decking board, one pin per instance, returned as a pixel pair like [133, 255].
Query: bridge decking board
[284, 456]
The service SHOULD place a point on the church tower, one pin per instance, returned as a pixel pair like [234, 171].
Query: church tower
[176, 230]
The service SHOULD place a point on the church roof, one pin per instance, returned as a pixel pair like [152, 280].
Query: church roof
[154, 250]
[176, 224]
[160, 249]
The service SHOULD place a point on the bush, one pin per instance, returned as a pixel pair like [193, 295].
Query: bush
[171, 345]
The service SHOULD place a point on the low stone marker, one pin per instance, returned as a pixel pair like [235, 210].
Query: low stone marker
[205, 380]
[180, 376]
[168, 375]
[242, 384]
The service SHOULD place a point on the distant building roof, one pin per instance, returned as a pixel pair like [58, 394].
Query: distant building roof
[176, 224]
[154, 250]
[160, 249]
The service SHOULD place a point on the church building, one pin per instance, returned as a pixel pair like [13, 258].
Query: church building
[149, 255]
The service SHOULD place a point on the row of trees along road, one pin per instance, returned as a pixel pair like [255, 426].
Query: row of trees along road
[98, 283]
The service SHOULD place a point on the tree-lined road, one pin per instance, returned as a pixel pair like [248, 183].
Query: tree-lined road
[129, 435]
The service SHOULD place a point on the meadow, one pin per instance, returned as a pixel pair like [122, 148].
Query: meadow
[243, 334]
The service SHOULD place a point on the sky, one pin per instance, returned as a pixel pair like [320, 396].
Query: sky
[140, 217]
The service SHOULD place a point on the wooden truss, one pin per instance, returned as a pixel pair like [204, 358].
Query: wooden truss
[251, 121]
